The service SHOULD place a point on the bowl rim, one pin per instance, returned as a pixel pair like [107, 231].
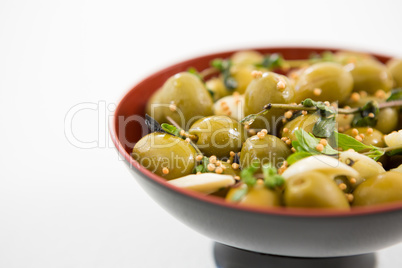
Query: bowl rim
[280, 211]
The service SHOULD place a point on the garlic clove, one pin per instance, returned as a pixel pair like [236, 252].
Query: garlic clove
[205, 183]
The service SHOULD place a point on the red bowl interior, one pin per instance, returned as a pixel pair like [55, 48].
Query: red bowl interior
[128, 125]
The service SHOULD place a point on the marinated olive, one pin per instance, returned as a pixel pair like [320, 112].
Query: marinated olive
[270, 88]
[257, 195]
[344, 121]
[345, 57]
[395, 68]
[218, 88]
[382, 188]
[153, 107]
[266, 149]
[367, 135]
[247, 57]
[387, 120]
[325, 81]
[370, 76]
[218, 135]
[165, 155]
[243, 77]
[229, 170]
[305, 122]
[231, 106]
[184, 98]
[315, 190]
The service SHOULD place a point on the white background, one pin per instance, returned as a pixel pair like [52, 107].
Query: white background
[64, 206]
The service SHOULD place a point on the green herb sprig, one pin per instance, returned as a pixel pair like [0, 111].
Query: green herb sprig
[224, 67]
[367, 115]
[326, 123]
[272, 179]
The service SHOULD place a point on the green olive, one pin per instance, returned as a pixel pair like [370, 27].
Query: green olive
[345, 57]
[325, 81]
[382, 188]
[387, 120]
[270, 88]
[247, 57]
[266, 149]
[243, 77]
[371, 136]
[314, 189]
[344, 121]
[183, 98]
[218, 135]
[153, 109]
[257, 195]
[218, 88]
[229, 170]
[370, 76]
[165, 155]
[348, 187]
[395, 68]
[305, 122]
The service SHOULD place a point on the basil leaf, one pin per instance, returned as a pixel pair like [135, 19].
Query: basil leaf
[319, 105]
[324, 127]
[247, 174]
[203, 167]
[152, 124]
[396, 94]
[171, 129]
[309, 143]
[272, 61]
[362, 119]
[271, 177]
[293, 158]
[347, 142]
[224, 67]
[375, 154]
[239, 194]
[395, 152]
[194, 71]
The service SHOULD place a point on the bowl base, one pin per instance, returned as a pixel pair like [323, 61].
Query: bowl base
[230, 257]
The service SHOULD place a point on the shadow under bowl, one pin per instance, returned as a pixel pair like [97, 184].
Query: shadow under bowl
[278, 231]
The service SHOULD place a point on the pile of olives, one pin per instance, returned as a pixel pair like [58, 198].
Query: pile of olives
[234, 131]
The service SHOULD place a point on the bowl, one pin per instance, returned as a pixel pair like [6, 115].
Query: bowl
[279, 231]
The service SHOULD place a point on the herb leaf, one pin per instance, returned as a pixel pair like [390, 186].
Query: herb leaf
[247, 174]
[171, 129]
[224, 67]
[396, 94]
[239, 194]
[325, 125]
[293, 158]
[319, 105]
[347, 142]
[271, 177]
[152, 124]
[272, 61]
[364, 118]
[194, 71]
[308, 143]
[203, 166]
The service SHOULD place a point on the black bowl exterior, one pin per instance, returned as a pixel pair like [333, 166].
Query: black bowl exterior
[284, 235]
